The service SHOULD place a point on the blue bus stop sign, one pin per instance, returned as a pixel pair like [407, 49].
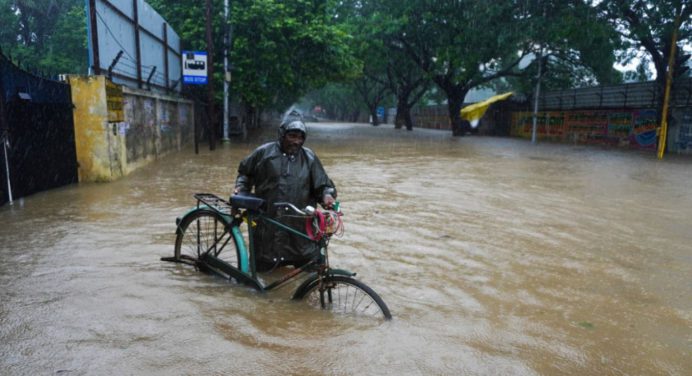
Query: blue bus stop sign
[194, 67]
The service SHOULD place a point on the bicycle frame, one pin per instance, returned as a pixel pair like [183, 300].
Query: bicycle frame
[247, 273]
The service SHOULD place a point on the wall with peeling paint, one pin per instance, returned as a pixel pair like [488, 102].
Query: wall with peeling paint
[118, 129]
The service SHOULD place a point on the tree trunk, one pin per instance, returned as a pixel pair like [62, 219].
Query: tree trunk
[399, 120]
[373, 114]
[403, 115]
[454, 103]
[250, 116]
[408, 120]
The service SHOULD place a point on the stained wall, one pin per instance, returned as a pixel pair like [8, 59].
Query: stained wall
[118, 129]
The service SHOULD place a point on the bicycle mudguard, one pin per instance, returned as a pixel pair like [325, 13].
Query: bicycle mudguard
[179, 220]
[312, 279]
[243, 254]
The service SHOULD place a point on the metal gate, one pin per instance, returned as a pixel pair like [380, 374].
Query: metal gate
[36, 133]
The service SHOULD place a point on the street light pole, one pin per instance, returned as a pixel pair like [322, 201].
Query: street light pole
[534, 125]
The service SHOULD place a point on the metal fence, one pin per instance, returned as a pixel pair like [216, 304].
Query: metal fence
[38, 148]
[632, 95]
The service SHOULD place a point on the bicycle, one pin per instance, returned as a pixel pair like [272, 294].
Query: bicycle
[209, 238]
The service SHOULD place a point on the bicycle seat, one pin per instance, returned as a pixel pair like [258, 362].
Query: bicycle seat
[247, 202]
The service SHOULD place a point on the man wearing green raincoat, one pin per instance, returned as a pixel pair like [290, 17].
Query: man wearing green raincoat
[284, 171]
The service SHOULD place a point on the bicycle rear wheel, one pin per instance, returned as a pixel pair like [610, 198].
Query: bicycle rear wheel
[205, 232]
[344, 295]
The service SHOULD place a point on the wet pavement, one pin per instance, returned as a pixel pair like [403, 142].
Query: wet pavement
[495, 257]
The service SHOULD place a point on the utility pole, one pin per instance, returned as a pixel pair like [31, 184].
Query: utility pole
[210, 81]
[534, 126]
[663, 131]
[227, 72]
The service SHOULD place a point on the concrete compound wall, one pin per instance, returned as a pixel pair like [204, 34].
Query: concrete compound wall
[631, 128]
[118, 129]
[680, 132]
[625, 128]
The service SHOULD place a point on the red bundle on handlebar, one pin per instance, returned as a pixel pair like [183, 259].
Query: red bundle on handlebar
[324, 223]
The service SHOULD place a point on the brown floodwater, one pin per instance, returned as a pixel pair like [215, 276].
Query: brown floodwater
[495, 257]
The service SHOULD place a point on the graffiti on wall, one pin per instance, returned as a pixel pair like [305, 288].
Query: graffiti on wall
[644, 129]
[633, 128]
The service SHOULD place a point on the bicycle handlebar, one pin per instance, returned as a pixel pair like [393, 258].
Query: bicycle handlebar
[309, 211]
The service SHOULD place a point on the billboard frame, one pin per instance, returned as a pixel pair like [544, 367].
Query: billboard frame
[104, 62]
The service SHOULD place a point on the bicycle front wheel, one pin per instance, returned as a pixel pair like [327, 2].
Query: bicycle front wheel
[205, 232]
[344, 295]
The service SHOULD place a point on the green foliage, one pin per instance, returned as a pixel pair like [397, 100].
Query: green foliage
[458, 44]
[49, 36]
[649, 25]
[573, 45]
[283, 49]
[9, 31]
[280, 49]
[385, 68]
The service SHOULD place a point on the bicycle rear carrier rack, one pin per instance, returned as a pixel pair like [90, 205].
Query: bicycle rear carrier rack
[214, 202]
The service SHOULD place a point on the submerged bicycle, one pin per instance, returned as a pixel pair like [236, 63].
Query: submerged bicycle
[209, 238]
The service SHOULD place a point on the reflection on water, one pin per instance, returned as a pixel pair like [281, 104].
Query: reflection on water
[495, 257]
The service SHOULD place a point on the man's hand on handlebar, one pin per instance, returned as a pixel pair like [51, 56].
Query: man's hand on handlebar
[328, 201]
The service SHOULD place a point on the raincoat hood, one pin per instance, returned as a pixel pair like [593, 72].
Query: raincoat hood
[292, 125]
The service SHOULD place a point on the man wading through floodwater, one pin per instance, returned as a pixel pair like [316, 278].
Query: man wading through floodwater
[284, 171]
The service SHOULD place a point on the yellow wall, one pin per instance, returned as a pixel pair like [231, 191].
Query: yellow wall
[91, 123]
[118, 130]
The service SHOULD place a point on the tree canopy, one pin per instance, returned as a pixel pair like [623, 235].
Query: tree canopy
[649, 26]
[281, 50]
[48, 36]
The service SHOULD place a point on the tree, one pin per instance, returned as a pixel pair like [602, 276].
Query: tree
[280, 49]
[385, 67]
[649, 25]
[409, 84]
[572, 46]
[48, 35]
[372, 91]
[460, 44]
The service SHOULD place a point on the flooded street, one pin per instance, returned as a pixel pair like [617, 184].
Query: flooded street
[495, 257]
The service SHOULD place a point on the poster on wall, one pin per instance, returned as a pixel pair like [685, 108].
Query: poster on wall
[631, 128]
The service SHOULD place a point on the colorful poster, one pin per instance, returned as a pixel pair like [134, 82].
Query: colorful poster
[633, 128]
